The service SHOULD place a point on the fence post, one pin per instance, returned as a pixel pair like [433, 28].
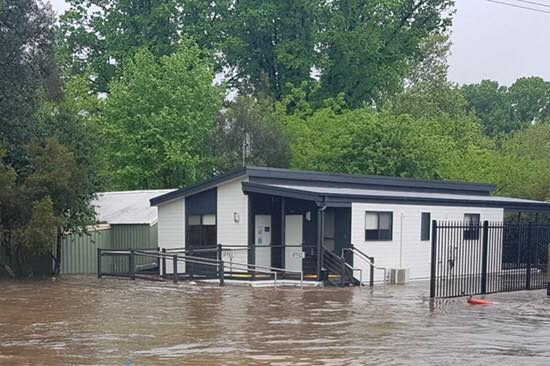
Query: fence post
[163, 262]
[342, 272]
[189, 266]
[484, 256]
[221, 273]
[433, 263]
[158, 259]
[548, 273]
[371, 278]
[99, 262]
[529, 257]
[219, 252]
[175, 267]
[132, 264]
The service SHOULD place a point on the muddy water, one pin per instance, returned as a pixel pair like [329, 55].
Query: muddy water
[86, 321]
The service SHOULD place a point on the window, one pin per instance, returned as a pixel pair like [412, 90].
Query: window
[471, 223]
[378, 226]
[425, 226]
[201, 230]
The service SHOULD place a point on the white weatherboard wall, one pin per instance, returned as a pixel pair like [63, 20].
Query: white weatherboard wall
[233, 203]
[171, 229]
[415, 253]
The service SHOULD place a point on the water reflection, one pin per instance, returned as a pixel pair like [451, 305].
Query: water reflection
[85, 321]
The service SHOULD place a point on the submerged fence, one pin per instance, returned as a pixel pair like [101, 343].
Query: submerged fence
[480, 258]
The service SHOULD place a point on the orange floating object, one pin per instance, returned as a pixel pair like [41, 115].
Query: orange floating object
[473, 301]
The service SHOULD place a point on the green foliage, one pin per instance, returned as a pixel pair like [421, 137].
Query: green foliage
[429, 100]
[46, 198]
[46, 185]
[101, 42]
[250, 127]
[155, 122]
[27, 72]
[363, 141]
[270, 45]
[425, 132]
[369, 47]
[532, 145]
[361, 49]
[39, 235]
[507, 109]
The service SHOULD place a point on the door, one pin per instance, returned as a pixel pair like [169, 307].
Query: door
[201, 239]
[293, 242]
[262, 240]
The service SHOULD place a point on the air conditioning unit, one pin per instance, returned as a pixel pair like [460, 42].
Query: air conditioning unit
[398, 276]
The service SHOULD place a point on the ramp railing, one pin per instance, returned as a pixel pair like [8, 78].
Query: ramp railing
[216, 267]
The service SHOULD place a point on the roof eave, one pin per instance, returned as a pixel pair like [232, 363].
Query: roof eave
[335, 199]
[304, 175]
[197, 188]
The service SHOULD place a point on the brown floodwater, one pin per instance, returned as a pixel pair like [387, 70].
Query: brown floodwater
[87, 321]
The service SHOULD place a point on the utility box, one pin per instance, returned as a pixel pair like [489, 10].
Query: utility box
[399, 276]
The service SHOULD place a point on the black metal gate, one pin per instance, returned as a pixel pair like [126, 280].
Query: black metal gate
[474, 258]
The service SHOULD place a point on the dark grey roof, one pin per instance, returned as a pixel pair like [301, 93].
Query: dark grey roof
[338, 196]
[299, 177]
[197, 188]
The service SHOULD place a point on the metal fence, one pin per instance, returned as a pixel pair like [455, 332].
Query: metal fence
[475, 258]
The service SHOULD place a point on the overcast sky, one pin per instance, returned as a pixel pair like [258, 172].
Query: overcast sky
[491, 41]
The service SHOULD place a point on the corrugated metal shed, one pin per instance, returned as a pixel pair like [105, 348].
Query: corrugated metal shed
[126, 221]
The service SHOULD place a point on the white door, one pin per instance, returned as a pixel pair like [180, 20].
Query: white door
[263, 240]
[293, 242]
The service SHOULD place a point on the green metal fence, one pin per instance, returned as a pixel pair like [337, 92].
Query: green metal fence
[79, 251]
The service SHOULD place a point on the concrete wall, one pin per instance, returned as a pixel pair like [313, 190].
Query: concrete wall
[406, 250]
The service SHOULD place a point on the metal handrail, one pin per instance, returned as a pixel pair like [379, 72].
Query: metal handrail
[367, 259]
[205, 261]
[339, 265]
[253, 267]
[360, 273]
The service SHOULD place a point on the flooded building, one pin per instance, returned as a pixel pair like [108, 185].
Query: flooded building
[307, 221]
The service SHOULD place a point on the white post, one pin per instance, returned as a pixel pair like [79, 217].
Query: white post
[401, 241]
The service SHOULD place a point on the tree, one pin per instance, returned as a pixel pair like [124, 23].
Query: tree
[433, 68]
[248, 132]
[100, 42]
[364, 141]
[489, 101]
[530, 100]
[428, 100]
[532, 146]
[270, 45]
[503, 110]
[42, 201]
[155, 122]
[28, 72]
[369, 47]
[47, 184]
